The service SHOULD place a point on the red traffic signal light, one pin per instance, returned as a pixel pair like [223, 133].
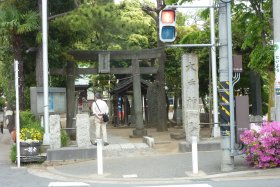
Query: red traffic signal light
[167, 16]
[167, 24]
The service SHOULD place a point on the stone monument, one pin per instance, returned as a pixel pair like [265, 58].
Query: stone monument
[190, 96]
[82, 132]
[55, 141]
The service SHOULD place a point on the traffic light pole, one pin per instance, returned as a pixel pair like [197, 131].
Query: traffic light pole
[227, 125]
[216, 129]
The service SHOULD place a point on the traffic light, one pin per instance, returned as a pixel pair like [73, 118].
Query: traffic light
[167, 23]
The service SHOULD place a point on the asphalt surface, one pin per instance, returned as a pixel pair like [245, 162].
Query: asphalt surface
[149, 165]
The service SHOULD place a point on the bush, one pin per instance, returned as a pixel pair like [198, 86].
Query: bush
[2, 103]
[262, 145]
[28, 120]
[65, 139]
[13, 153]
[30, 127]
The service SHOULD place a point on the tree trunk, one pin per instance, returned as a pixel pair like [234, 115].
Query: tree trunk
[161, 97]
[39, 56]
[39, 67]
[160, 83]
[16, 42]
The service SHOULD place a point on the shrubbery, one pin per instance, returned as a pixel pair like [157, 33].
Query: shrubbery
[262, 145]
[30, 127]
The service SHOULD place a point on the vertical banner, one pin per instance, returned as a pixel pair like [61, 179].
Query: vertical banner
[104, 62]
[277, 67]
[224, 108]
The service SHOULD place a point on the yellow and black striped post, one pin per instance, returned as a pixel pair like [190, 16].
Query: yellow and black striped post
[224, 108]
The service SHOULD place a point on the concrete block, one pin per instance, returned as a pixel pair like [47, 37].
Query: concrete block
[201, 146]
[149, 140]
[71, 153]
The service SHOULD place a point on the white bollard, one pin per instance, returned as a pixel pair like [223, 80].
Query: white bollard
[194, 155]
[99, 157]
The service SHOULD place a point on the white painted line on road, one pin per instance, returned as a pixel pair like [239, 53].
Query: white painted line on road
[183, 185]
[130, 176]
[64, 184]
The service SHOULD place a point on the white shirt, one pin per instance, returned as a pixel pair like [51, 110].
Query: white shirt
[102, 106]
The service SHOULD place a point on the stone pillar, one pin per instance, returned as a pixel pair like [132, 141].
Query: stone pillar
[190, 96]
[82, 131]
[55, 134]
[139, 130]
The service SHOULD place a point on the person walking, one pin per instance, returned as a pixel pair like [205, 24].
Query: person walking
[100, 107]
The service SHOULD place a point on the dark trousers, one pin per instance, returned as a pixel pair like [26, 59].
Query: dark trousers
[1, 127]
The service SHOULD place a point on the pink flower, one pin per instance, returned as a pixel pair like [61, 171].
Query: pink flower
[262, 145]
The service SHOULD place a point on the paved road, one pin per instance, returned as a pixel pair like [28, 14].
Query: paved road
[135, 169]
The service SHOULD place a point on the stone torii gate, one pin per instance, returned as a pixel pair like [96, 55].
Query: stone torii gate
[72, 72]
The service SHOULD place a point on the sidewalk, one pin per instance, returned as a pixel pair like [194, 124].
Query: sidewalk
[161, 164]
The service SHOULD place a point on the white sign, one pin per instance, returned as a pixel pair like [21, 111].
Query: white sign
[277, 64]
[104, 62]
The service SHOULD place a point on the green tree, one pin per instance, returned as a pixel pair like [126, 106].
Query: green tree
[252, 36]
[18, 22]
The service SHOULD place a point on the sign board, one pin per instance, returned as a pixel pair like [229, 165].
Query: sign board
[237, 63]
[104, 62]
[277, 63]
[57, 100]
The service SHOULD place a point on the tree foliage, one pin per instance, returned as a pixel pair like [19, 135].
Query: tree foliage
[252, 36]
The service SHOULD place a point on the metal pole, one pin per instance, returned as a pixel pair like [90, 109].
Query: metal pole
[276, 32]
[189, 6]
[45, 70]
[99, 157]
[194, 155]
[17, 113]
[216, 129]
[189, 45]
[226, 160]
[230, 71]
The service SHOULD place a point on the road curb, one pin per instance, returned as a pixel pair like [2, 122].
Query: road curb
[51, 172]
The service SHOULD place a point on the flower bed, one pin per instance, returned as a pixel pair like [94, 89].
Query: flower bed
[262, 145]
[31, 134]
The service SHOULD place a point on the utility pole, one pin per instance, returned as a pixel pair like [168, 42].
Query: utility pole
[224, 88]
[276, 30]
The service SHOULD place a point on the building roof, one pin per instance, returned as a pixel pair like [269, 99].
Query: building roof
[125, 86]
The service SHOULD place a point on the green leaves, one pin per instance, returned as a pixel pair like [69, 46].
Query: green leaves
[30, 23]
[17, 22]
[262, 58]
